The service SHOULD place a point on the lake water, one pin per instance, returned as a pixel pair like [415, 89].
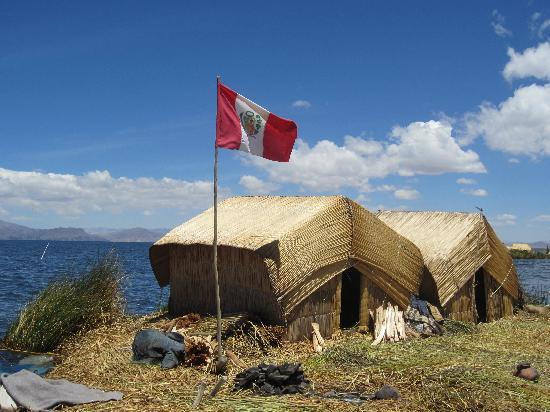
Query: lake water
[23, 274]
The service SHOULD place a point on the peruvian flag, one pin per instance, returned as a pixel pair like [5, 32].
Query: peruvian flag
[243, 125]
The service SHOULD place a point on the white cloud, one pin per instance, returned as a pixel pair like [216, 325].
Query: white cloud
[532, 62]
[513, 160]
[257, 186]
[302, 104]
[465, 181]
[505, 219]
[426, 148]
[429, 148]
[362, 146]
[498, 25]
[406, 194]
[520, 125]
[384, 188]
[67, 194]
[475, 192]
[542, 218]
[543, 27]
[3, 212]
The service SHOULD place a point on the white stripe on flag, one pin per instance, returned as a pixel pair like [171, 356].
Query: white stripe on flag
[253, 119]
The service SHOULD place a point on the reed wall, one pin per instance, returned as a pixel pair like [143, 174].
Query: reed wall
[243, 278]
[462, 305]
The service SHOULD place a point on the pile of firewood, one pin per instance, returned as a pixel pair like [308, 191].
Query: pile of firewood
[389, 325]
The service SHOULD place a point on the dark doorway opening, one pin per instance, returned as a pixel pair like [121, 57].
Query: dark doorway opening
[481, 301]
[350, 298]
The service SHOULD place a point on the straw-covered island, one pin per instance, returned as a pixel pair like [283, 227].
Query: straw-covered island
[286, 263]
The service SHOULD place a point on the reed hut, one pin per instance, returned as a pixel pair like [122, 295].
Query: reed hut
[289, 260]
[471, 274]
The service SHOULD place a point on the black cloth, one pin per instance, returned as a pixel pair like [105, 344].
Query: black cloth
[154, 346]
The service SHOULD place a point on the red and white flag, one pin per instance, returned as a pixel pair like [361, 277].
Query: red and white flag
[243, 125]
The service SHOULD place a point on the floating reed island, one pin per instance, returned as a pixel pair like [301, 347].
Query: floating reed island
[325, 283]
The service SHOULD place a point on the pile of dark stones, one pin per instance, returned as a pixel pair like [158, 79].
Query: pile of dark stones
[268, 380]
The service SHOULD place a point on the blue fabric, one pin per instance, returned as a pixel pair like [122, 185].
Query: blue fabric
[154, 346]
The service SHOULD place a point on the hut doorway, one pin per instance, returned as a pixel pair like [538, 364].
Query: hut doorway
[350, 298]
[481, 301]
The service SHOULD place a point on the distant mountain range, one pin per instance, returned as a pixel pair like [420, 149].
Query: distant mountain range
[12, 231]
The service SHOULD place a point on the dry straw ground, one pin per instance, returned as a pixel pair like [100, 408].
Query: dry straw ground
[461, 372]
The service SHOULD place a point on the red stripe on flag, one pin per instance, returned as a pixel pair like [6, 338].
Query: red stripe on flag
[279, 137]
[228, 124]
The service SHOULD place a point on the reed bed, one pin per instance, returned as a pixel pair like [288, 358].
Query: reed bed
[67, 306]
[468, 370]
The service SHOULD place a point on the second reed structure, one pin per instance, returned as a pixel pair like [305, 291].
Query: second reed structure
[471, 273]
[289, 260]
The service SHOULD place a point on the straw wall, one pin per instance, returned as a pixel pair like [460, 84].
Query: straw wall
[462, 305]
[499, 302]
[500, 265]
[243, 277]
[371, 298]
[319, 307]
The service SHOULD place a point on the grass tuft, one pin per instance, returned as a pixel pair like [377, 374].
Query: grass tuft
[67, 306]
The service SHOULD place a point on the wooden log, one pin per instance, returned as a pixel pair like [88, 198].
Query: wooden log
[401, 326]
[435, 312]
[316, 346]
[379, 320]
[221, 381]
[389, 323]
[200, 393]
[396, 332]
[235, 360]
[381, 334]
[320, 339]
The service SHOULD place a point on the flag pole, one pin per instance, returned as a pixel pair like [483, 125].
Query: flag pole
[215, 243]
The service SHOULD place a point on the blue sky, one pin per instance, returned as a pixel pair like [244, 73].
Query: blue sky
[107, 108]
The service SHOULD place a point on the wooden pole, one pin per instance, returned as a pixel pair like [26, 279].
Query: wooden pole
[215, 246]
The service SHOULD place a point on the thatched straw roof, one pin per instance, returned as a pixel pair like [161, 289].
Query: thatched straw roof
[454, 246]
[304, 242]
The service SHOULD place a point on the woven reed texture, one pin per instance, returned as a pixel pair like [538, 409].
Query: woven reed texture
[319, 307]
[304, 243]
[454, 246]
[244, 282]
[499, 302]
[395, 262]
[500, 265]
[462, 305]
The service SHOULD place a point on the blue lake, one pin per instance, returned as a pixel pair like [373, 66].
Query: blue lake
[23, 274]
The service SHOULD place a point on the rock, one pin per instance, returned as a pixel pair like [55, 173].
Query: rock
[527, 372]
[387, 392]
[35, 360]
[273, 379]
[540, 310]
